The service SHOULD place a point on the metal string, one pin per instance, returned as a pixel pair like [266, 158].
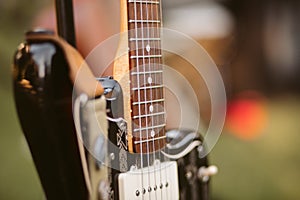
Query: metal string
[158, 32]
[138, 91]
[145, 91]
[156, 65]
[150, 67]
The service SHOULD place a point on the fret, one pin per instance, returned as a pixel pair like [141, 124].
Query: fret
[144, 12]
[149, 54]
[149, 128]
[147, 87]
[147, 72]
[150, 145]
[145, 30]
[143, 21]
[144, 39]
[149, 140]
[146, 56]
[150, 101]
[145, 1]
[149, 115]
[147, 121]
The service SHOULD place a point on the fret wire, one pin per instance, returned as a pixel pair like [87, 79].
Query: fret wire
[144, 39]
[147, 87]
[149, 127]
[149, 115]
[148, 56]
[147, 72]
[150, 101]
[150, 140]
[140, 1]
[143, 21]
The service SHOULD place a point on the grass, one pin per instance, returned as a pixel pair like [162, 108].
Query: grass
[18, 176]
[264, 168]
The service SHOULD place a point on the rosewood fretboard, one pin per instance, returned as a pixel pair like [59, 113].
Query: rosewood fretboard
[146, 81]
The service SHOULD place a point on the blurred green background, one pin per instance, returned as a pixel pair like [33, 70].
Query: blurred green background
[19, 179]
[264, 167]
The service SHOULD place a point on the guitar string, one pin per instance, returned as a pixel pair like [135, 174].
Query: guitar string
[161, 91]
[151, 95]
[157, 80]
[138, 92]
[143, 66]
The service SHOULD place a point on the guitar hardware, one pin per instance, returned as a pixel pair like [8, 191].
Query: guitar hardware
[205, 172]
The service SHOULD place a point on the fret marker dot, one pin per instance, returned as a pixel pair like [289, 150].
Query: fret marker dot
[149, 80]
[151, 108]
[152, 133]
[148, 48]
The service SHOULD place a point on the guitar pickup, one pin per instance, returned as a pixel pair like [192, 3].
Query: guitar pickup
[159, 181]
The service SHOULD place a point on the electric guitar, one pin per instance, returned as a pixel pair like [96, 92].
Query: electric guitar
[104, 137]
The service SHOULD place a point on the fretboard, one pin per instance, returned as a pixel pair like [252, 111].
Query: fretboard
[146, 81]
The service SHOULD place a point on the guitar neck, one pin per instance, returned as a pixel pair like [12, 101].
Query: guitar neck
[143, 84]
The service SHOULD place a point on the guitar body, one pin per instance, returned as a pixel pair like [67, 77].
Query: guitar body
[191, 186]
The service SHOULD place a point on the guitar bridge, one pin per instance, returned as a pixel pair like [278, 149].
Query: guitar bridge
[159, 181]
